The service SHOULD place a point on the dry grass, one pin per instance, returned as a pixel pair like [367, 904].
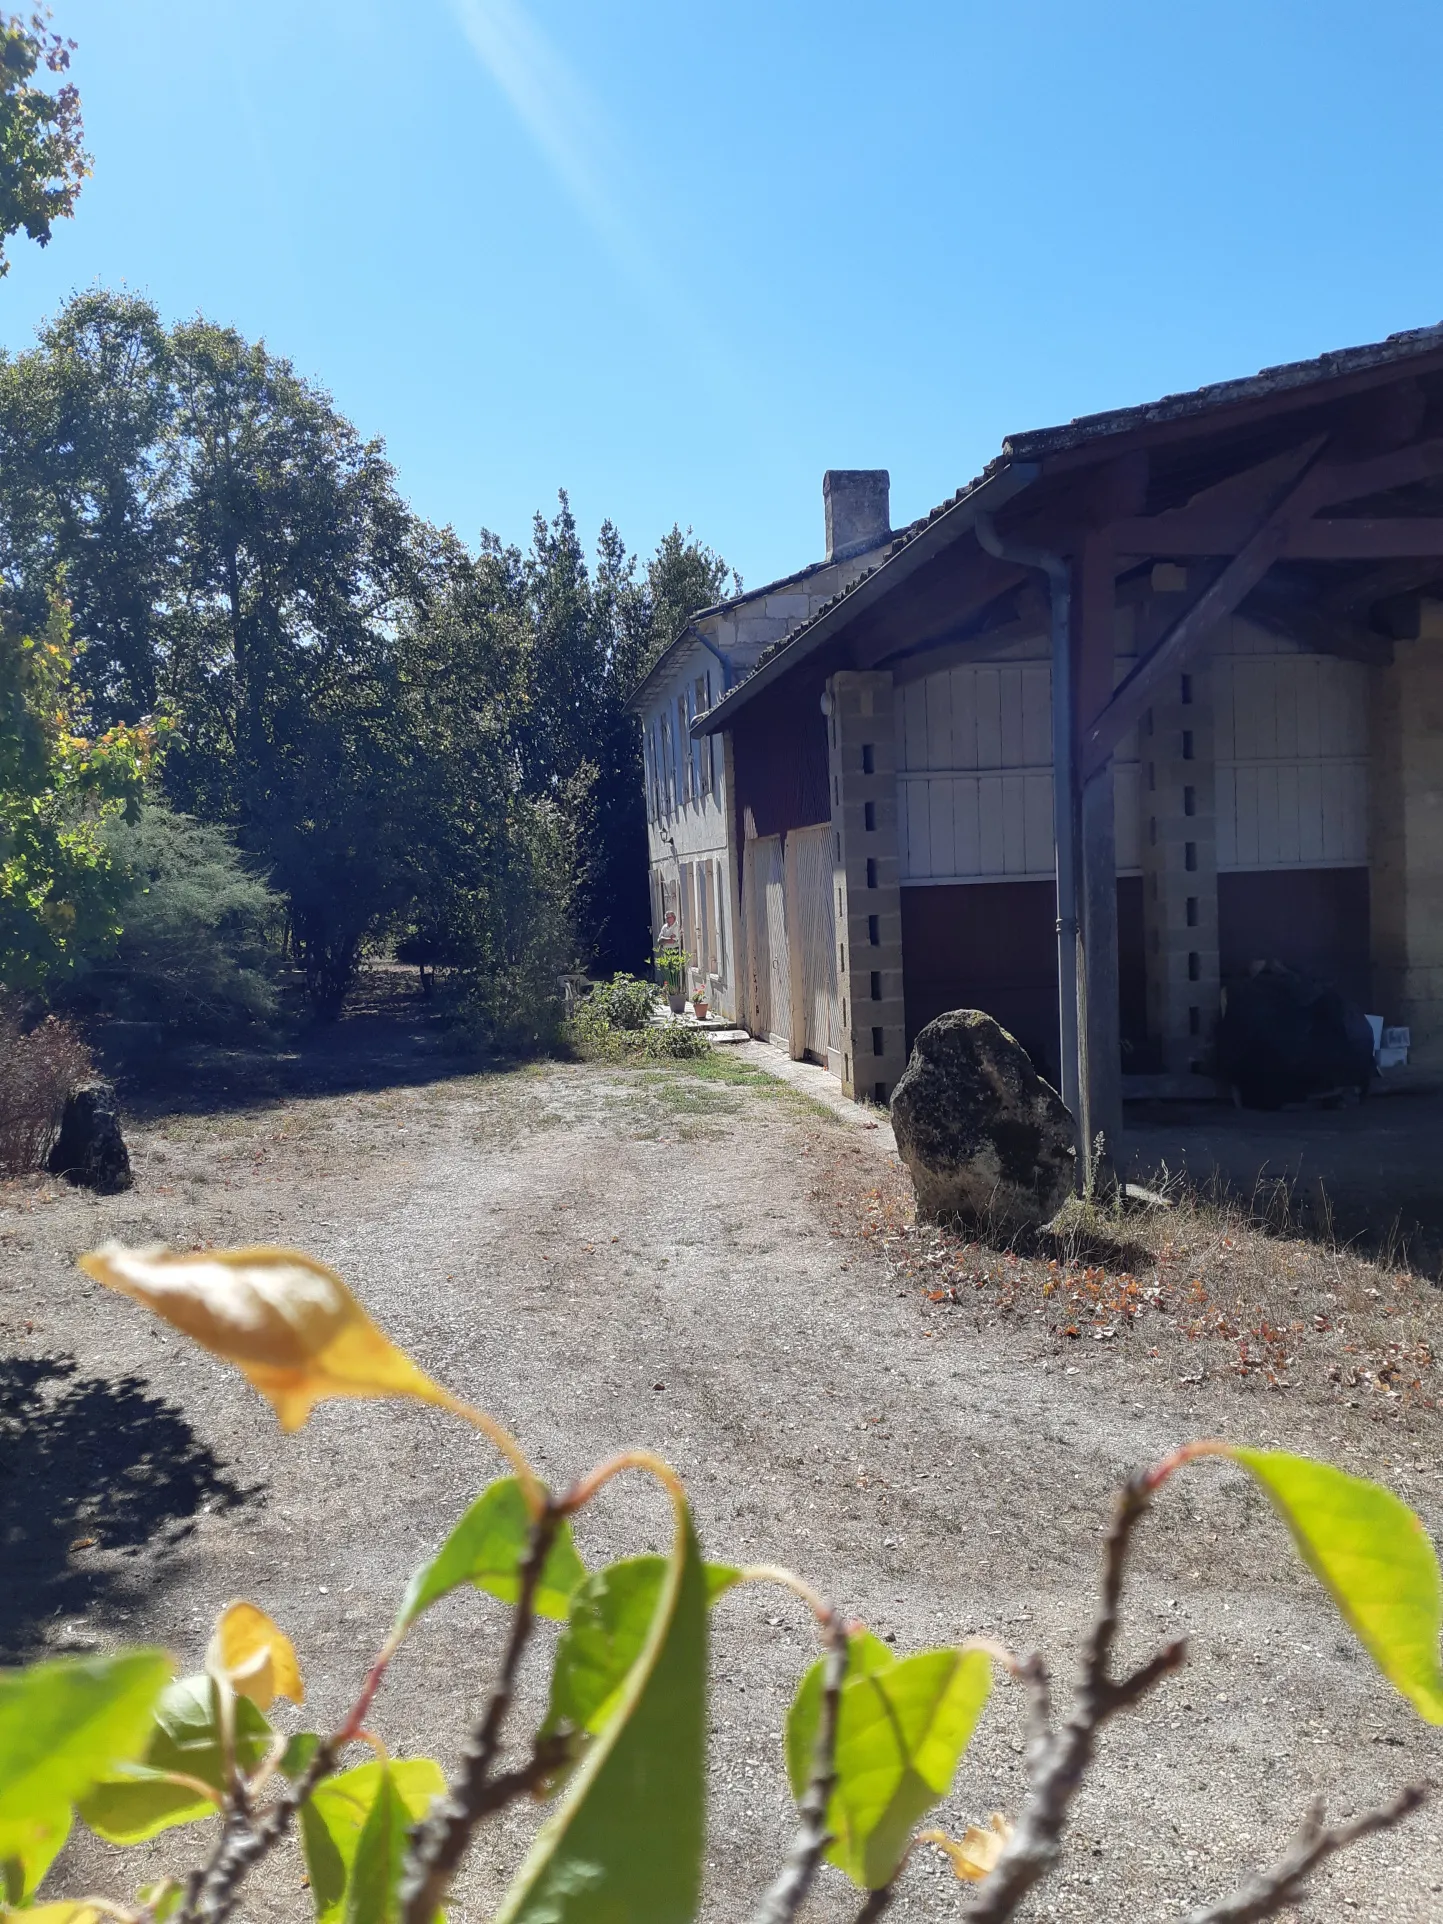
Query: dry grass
[1213, 1287]
[39, 1067]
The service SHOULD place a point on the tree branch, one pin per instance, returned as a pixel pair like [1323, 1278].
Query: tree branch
[213, 1893]
[440, 1843]
[877, 1902]
[1265, 1893]
[784, 1899]
[1059, 1758]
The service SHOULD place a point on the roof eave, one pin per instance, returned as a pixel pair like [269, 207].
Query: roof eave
[1006, 480]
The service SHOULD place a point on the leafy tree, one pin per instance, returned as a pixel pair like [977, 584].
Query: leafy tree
[59, 889]
[594, 633]
[42, 160]
[681, 577]
[405, 734]
[199, 928]
[87, 483]
[492, 863]
[873, 1739]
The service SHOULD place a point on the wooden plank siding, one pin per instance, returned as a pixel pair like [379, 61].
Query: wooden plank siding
[1291, 735]
[974, 757]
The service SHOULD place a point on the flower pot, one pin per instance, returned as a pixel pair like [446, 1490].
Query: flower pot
[676, 1001]
[699, 1007]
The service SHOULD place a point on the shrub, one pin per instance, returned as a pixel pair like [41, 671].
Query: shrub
[198, 944]
[39, 1067]
[613, 1024]
[872, 1743]
[625, 1002]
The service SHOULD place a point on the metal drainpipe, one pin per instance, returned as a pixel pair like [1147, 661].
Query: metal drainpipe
[1064, 819]
[696, 634]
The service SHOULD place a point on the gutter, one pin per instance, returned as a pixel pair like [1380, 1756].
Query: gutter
[1064, 811]
[992, 492]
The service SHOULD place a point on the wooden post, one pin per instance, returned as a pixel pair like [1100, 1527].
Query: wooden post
[1099, 1031]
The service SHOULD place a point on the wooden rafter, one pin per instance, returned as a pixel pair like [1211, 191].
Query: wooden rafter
[1220, 521]
[1216, 601]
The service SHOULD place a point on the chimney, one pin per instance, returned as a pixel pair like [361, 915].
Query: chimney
[858, 505]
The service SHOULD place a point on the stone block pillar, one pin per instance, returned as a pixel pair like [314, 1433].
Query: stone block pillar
[1180, 869]
[1406, 865]
[866, 892]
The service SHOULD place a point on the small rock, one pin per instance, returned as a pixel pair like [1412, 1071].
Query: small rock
[90, 1150]
[984, 1138]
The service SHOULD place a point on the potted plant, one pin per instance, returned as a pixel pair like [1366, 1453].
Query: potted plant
[671, 966]
[700, 1002]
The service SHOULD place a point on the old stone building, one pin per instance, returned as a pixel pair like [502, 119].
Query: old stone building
[1236, 596]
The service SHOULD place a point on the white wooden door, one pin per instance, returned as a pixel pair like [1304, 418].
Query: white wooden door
[778, 955]
[767, 952]
[809, 853]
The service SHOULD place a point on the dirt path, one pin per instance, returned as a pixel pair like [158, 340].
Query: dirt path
[605, 1258]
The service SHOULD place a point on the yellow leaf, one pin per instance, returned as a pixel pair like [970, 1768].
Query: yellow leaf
[973, 1856]
[288, 1323]
[64, 1912]
[255, 1656]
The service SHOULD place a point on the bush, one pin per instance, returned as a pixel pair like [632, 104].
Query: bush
[198, 945]
[39, 1067]
[872, 1742]
[614, 1024]
[625, 1002]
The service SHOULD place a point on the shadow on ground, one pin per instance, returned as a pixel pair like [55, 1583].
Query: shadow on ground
[90, 1466]
[1369, 1177]
[389, 1037]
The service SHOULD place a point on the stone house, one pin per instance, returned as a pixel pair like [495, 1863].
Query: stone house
[692, 838]
[1237, 596]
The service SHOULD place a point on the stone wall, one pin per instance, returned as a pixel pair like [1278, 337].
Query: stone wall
[861, 734]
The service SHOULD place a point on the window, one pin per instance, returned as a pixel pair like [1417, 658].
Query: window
[701, 751]
[648, 767]
[668, 769]
[683, 758]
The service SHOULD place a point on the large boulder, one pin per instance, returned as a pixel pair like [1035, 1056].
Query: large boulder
[1284, 1036]
[90, 1150]
[984, 1138]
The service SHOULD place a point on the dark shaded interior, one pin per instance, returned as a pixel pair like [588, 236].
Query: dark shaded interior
[1313, 919]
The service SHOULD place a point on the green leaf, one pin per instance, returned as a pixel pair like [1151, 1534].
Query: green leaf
[22, 1873]
[64, 1724]
[296, 1758]
[487, 1548]
[161, 1900]
[137, 1801]
[721, 1577]
[625, 1841]
[611, 1614]
[352, 1861]
[1373, 1555]
[902, 1726]
[866, 1655]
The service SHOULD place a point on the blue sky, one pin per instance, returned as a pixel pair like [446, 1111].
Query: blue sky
[681, 258]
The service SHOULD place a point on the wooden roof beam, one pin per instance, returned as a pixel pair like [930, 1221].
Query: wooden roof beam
[1216, 525]
[1135, 693]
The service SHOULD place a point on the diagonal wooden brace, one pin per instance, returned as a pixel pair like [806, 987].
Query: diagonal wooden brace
[1135, 692]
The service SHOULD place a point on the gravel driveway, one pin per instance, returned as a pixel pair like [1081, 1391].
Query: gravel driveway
[610, 1257]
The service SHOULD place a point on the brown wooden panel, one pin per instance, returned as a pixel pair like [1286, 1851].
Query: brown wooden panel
[1313, 919]
[993, 946]
[779, 757]
[984, 945]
